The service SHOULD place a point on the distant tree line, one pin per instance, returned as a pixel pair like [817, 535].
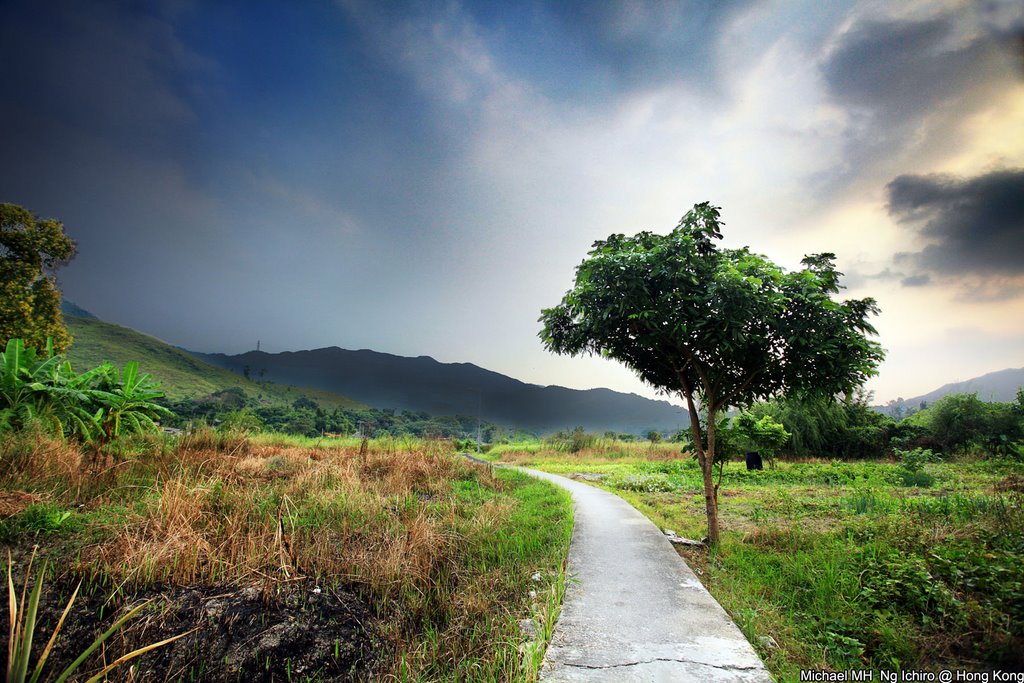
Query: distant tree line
[849, 428]
[305, 417]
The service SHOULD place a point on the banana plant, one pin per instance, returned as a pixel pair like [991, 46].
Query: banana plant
[77, 399]
[25, 394]
[126, 402]
[95, 406]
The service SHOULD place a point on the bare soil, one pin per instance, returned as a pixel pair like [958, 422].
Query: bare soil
[295, 631]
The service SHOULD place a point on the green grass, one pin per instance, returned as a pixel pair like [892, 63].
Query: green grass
[530, 540]
[843, 564]
[180, 374]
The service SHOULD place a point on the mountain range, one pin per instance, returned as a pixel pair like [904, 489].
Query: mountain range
[995, 386]
[354, 379]
[388, 381]
[181, 375]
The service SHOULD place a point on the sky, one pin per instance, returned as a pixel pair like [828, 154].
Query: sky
[422, 178]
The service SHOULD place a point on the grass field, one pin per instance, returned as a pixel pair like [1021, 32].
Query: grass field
[833, 565]
[419, 565]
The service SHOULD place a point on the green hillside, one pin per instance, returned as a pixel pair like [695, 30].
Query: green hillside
[180, 374]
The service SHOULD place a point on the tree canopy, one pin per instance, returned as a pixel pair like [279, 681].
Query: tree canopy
[30, 250]
[718, 327]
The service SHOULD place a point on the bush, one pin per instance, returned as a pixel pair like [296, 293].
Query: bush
[572, 442]
[915, 460]
[819, 427]
[960, 423]
[912, 467]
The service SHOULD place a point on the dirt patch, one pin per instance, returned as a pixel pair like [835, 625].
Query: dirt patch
[300, 631]
[1011, 482]
[13, 502]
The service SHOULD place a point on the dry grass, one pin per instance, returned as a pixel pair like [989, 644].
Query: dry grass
[38, 457]
[13, 502]
[408, 525]
[602, 451]
[285, 512]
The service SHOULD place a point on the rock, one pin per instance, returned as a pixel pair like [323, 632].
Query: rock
[214, 609]
[536, 577]
[678, 540]
[272, 638]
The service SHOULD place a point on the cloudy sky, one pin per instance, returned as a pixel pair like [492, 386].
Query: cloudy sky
[422, 178]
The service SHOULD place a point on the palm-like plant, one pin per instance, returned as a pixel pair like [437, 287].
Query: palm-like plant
[25, 395]
[126, 403]
[95, 406]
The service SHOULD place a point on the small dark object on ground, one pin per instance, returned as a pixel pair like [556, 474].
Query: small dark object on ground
[754, 461]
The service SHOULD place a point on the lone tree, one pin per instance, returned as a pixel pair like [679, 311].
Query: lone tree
[30, 250]
[718, 327]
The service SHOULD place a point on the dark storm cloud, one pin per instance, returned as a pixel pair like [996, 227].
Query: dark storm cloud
[116, 71]
[916, 280]
[899, 70]
[973, 226]
[236, 159]
[908, 83]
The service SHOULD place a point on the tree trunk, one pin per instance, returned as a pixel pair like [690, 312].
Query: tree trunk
[710, 502]
[710, 491]
[706, 458]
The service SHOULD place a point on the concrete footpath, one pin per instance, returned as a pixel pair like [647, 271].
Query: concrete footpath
[633, 609]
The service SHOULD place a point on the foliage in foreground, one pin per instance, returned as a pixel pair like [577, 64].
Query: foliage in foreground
[441, 551]
[22, 618]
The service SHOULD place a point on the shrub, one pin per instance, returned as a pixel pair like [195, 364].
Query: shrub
[958, 423]
[912, 464]
[898, 580]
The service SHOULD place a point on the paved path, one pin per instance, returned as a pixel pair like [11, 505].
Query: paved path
[633, 610]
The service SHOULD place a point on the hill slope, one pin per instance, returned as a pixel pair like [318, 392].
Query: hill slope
[387, 381]
[180, 374]
[995, 386]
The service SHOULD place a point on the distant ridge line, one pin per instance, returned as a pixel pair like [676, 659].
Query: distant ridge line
[422, 383]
